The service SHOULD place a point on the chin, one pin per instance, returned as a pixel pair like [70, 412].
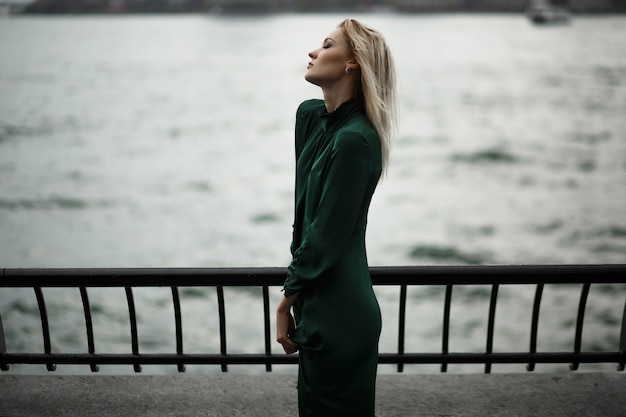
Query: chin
[311, 79]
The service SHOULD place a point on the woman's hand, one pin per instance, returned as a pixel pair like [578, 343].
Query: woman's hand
[285, 324]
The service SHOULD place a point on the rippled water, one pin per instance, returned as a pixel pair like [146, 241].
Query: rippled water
[167, 141]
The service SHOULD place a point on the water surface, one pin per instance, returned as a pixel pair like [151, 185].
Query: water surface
[167, 141]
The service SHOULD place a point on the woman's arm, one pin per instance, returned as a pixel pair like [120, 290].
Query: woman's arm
[350, 172]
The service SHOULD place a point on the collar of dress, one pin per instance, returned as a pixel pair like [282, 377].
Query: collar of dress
[341, 114]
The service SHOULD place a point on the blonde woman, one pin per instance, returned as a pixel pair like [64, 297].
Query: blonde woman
[342, 146]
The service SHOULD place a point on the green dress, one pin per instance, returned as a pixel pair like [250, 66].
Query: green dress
[338, 164]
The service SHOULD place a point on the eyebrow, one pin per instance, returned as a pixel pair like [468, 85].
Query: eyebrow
[329, 39]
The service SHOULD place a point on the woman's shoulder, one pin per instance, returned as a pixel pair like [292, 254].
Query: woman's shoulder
[357, 133]
[359, 126]
[313, 106]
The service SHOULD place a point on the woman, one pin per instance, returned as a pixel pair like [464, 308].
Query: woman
[342, 145]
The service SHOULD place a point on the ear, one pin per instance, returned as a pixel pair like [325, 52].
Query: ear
[353, 65]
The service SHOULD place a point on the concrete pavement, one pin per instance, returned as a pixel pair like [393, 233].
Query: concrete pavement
[272, 395]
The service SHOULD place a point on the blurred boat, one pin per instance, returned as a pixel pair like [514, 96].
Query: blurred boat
[543, 12]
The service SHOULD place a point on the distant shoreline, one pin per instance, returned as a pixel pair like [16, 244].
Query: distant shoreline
[286, 12]
[254, 8]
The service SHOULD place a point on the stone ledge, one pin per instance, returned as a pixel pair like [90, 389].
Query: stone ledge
[272, 395]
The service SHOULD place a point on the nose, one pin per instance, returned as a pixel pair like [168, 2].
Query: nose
[313, 54]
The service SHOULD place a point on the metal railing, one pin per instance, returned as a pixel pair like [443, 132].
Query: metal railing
[402, 277]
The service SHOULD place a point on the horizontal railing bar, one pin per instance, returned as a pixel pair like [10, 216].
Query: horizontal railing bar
[500, 358]
[150, 359]
[141, 277]
[274, 276]
[281, 359]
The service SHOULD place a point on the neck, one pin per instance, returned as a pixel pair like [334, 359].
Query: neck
[336, 95]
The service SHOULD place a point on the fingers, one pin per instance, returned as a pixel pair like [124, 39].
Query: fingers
[285, 326]
[289, 346]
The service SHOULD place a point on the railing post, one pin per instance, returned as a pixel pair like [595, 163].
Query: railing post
[446, 327]
[133, 326]
[491, 323]
[266, 326]
[579, 323]
[401, 325]
[535, 325]
[91, 346]
[179, 326]
[622, 341]
[45, 328]
[222, 318]
[3, 347]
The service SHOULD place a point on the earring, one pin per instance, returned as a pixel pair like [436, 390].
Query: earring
[346, 70]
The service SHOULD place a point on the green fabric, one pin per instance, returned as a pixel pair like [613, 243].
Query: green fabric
[338, 318]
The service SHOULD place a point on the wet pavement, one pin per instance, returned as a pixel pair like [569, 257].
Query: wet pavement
[272, 395]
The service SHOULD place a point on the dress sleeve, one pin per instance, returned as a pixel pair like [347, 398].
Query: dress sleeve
[349, 173]
[305, 117]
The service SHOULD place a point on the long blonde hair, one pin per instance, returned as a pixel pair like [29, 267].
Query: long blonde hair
[376, 91]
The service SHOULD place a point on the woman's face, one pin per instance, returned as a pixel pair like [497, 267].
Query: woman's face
[329, 62]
